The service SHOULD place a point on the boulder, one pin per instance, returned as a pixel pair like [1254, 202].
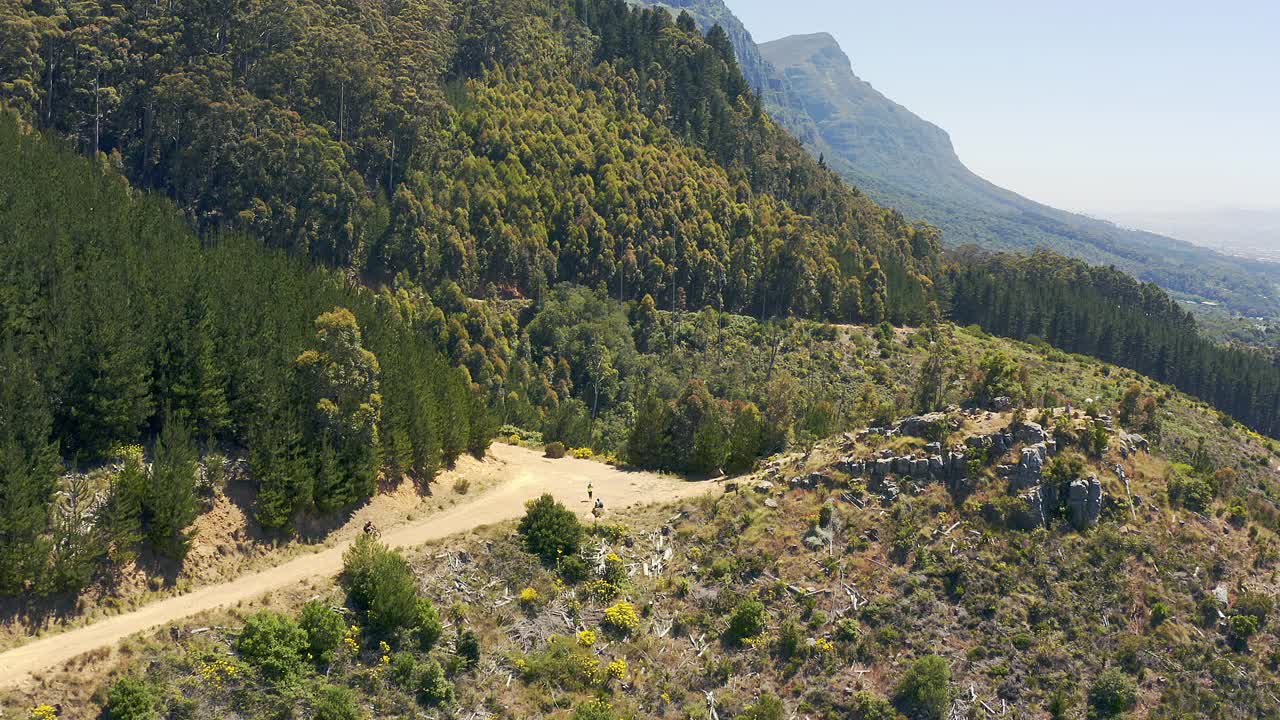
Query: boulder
[1001, 403]
[1084, 502]
[937, 466]
[1030, 467]
[763, 487]
[923, 426]
[933, 448]
[881, 467]
[1030, 511]
[1028, 433]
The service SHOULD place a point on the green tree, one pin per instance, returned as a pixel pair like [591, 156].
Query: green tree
[747, 620]
[869, 706]
[924, 692]
[746, 438]
[340, 380]
[427, 626]
[1112, 694]
[120, 517]
[274, 644]
[324, 629]
[550, 530]
[433, 687]
[170, 504]
[334, 702]
[649, 444]
[28, 473]
[130, 699]
[380, 584]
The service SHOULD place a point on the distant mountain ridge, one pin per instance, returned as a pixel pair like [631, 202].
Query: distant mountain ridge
[908, 163]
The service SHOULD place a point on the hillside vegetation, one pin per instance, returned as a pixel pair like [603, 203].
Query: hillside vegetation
[810, 588]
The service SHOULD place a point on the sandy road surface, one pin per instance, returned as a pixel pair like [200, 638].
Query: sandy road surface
[528, 476]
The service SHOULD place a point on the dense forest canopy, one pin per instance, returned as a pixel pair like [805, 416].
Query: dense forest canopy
[118, 326]
[505, 143]
[1103, 312]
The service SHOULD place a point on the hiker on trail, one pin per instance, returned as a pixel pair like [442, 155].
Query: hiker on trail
[369, 528]
[598, 510]
[590, 490]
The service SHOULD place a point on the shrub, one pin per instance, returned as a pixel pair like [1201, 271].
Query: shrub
[789, 639]
[573, 569]
[768, 707]
[555, 450]
[594, 710]
[273, 643]
[1240, 628]
[324, 629]
[403, 668]
[530, 598]
[433, 687]
[1188, 489]
[130, 699]
[380, 585]
[1160, 613]
[582, 453]
[617, 669]
[869, 706]
[427, 626]
[924, 693]
[467, 648]
[1113, 693]
[335, 703]
[622, 618]
[847, 630]
[747, 620]
[1257, 604]
[550, 530]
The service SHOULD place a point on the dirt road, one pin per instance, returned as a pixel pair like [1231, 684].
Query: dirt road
[528, 476]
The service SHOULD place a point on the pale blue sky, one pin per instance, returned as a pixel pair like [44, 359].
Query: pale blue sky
[1087, 105]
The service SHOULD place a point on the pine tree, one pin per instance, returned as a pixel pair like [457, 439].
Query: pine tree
[28, 472]
[170, 504]
[120, 517]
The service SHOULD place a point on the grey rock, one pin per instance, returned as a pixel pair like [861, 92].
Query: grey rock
[1002, 403]
[1084, 502]
[770, 503]
[881, 468]
[933, 448]
[764, 486]
[1029, 433]
[1030, 512]
[920, 469]
[937, 467]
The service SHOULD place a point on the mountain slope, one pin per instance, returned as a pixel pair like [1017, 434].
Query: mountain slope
[910, 164]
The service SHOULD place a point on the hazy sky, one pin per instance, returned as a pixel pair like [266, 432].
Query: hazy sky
[1086, 105]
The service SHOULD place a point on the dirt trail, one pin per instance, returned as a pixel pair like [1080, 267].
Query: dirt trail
[529, 475]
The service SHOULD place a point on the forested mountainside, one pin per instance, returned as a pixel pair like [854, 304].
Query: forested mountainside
[909, 164]
[509, 144]
[119, 327]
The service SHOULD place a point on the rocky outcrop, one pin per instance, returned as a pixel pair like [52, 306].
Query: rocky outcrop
[1084, 502]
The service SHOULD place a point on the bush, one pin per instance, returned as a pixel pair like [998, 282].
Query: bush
[594, 710]
[622, 618]
[789, 639]
[869, 706]
[433, 687]
[380, 585]
[1240, 628]
[130, 699]
[847, 630]
[573, 569]
[403, 668]
[324, 629]
[768, 707]
[1188, 489]
[550, 530]
[274, 643]
[747, 620]
[1160, 613]
[555, 450]
[335, 703]
[467, 648]
[924, 693]
[1257, 604]
[1112, 693]
[427, 626]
